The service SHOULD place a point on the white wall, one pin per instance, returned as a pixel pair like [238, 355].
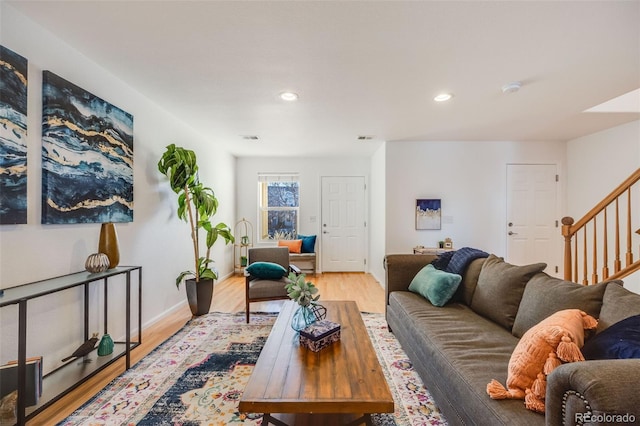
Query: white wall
[613, 153]
[469, 178]
[377, 203]
[311, 170]
[156, 239]
[596, 165]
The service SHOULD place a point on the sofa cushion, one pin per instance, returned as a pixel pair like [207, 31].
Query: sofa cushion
[456, 352]
[500, 288]
[266, 270]
[435, 285]
[295, 246]
[618, 303]
[620, 341]
[544, 295]
[467, 286]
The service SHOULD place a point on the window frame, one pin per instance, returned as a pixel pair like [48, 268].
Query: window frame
[264, 179]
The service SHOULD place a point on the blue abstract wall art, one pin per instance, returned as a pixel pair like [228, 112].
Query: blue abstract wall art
[13, 137]
[87, 156]
[428, 213]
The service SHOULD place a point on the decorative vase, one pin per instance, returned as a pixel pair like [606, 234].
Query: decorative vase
[199, 296]
[302, 318]
[243, 261]
[109, 243]
[97, 262]
[105, 347]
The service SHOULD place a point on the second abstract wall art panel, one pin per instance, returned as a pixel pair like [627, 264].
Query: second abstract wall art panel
[87, 156]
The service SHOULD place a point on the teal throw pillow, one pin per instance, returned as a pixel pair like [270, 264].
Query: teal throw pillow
[435, 285]
[266, 270]
[308, 243]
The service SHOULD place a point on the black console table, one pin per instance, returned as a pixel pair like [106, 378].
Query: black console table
[63, 379]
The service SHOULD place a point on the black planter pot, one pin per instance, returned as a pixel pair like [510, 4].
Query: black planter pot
[199, 296]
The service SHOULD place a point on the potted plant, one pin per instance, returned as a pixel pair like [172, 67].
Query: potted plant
[302, 292]
[197, 204]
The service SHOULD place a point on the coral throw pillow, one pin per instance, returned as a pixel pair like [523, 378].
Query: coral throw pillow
[295, 246]
[557, 338]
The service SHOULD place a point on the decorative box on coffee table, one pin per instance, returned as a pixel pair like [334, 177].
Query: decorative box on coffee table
[319, 335]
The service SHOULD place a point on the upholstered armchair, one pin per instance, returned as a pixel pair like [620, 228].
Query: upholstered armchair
[264, 280]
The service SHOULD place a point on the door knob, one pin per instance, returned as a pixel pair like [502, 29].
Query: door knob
[513, 233]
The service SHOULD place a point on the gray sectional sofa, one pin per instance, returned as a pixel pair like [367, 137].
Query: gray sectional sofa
[458, 348]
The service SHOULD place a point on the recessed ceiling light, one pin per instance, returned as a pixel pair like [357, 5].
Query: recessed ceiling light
[512, 87]
[442, 97]
[289, 96]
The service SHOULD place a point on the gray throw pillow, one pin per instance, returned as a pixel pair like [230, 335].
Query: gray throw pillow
[499, 290]
[618, 303]
[469, 282]
[545, 295]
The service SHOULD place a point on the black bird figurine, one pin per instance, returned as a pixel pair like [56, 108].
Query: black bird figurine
[84, 348]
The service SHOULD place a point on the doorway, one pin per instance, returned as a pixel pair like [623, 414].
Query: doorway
[532, 230]
[343, 224]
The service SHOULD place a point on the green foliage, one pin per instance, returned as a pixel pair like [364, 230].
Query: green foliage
[301, 291]
[197, 204]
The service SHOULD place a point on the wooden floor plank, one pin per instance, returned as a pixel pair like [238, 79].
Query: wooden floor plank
[228, 297]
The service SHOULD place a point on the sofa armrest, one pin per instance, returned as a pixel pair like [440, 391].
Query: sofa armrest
[401, 268]
[596, 392]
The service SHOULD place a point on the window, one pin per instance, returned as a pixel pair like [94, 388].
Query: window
[279, 205]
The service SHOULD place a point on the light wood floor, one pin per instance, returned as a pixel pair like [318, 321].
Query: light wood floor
[228, 297]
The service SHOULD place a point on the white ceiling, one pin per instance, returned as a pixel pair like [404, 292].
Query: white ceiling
[363, 67]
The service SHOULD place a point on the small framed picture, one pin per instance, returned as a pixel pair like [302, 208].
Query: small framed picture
[428, 214]
[448, 244]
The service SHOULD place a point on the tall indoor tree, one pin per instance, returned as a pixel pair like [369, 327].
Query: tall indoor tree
[197, 204]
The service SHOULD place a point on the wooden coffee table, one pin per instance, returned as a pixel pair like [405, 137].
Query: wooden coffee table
[344, 378]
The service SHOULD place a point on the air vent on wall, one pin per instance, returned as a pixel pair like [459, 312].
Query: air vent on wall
[250, 137]
[364, 138]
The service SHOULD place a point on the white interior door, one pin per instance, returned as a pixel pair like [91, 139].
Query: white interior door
[532, 229]
[343, 224]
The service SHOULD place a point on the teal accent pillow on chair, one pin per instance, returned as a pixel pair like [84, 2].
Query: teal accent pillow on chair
[435, 285]
[266, 270]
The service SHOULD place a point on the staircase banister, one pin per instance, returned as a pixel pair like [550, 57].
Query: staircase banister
[635, 266]
[635, 176]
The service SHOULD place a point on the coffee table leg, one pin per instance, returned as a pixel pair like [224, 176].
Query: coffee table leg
[267, 418]
[366, 419]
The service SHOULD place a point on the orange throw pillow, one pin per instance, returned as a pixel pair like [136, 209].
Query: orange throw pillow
[557, 338]
[295, 246]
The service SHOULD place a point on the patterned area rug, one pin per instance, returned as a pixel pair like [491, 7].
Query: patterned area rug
[197, 376]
